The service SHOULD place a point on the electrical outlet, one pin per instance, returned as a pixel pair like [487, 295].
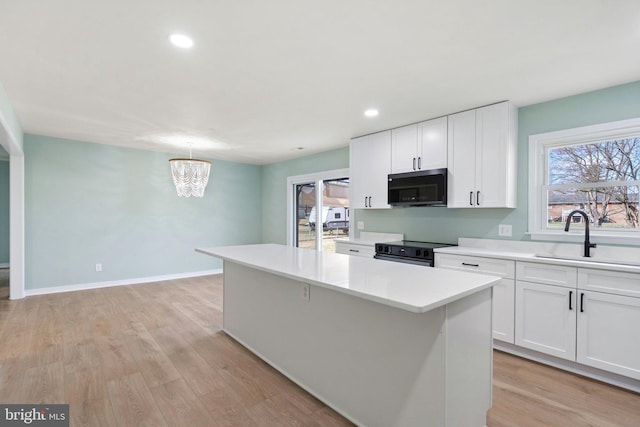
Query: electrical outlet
[504, 230]
[360, 225]
[98, 267]
[305, 291]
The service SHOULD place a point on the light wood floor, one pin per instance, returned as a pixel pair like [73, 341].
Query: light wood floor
[154, 355]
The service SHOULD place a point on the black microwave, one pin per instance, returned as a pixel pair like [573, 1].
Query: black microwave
[420, 188]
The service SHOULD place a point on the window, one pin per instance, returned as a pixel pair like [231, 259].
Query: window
[593, 169]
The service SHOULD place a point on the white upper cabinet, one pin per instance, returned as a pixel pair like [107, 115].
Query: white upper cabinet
[481, 157]
[370, 165]
[432, 138]
[420, 146]
[404, 149]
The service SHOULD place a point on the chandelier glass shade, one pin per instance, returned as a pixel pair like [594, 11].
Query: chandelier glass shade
[190, 176]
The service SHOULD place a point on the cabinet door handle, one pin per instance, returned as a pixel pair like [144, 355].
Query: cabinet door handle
[365, 202]
[414, 163]
[478, 198]
[419, 163]
[354, 250]
[470, 265]
[570, 298]
[582, 302]
[369, 201]
[471, 198]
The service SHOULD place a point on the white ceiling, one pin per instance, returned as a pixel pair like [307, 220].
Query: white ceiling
[266, 77]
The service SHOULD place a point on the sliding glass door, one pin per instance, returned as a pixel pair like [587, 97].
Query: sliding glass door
[305, 205]
[318, 209]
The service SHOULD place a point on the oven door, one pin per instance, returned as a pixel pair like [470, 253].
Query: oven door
[406, 260]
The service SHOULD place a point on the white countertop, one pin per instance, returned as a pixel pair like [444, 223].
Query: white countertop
[573, 261]
[409, 287]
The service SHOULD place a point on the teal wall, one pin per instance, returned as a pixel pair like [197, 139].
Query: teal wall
[446, 225]
[4, 212]
[89, 203]
[274, 188]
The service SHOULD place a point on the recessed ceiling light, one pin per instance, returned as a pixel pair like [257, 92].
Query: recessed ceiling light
[181, 40]
[371, 112]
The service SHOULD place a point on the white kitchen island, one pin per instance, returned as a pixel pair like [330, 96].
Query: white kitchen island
[382, 343]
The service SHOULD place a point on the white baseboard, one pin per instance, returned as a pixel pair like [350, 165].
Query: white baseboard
[136, 281]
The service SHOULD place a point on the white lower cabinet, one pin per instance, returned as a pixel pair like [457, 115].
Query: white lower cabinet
[608, 333]
[349, 248]
[583, 315]
[503, 291]
[573, 322]
[546, 319]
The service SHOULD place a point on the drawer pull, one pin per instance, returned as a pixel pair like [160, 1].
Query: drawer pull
[470, 265]
[354, 250]
[570, 298]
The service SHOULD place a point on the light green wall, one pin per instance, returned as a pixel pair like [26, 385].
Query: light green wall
[4, 212]
[274, 191]
[90, 203]
[446, 225]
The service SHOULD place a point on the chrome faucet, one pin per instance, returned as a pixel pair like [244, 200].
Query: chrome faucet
[587, 245]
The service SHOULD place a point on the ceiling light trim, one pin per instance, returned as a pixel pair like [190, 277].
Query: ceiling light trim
[181, 41]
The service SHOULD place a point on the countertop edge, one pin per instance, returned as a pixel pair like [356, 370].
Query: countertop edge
[489, 282]
[532, 257]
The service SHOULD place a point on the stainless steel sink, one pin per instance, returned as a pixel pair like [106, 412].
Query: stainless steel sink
[589, 259]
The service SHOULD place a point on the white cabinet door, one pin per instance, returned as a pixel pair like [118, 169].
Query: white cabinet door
[504, 310]
[461, 159]
[358, 171]
[419, 146]
[432, 144]
[482, 157]
[370, 165]
[609, 333]
[546, 319]
[404, 149]
[495, 157]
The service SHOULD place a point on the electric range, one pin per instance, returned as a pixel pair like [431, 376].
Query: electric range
[408, 251]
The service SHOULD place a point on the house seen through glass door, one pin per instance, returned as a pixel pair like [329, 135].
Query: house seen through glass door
[321, 220]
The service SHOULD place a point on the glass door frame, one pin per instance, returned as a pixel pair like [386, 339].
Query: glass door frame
[318, 178]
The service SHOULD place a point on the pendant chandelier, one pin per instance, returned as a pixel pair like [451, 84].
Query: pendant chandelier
[190, 175]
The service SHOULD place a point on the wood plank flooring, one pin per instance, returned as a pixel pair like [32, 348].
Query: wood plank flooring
[154, 354]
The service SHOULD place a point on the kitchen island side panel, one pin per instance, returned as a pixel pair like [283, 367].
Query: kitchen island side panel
[375, 364]
[469, 358]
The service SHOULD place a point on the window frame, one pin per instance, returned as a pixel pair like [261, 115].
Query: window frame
[538, 173]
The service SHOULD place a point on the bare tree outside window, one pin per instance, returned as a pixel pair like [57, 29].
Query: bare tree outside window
[601, 178]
